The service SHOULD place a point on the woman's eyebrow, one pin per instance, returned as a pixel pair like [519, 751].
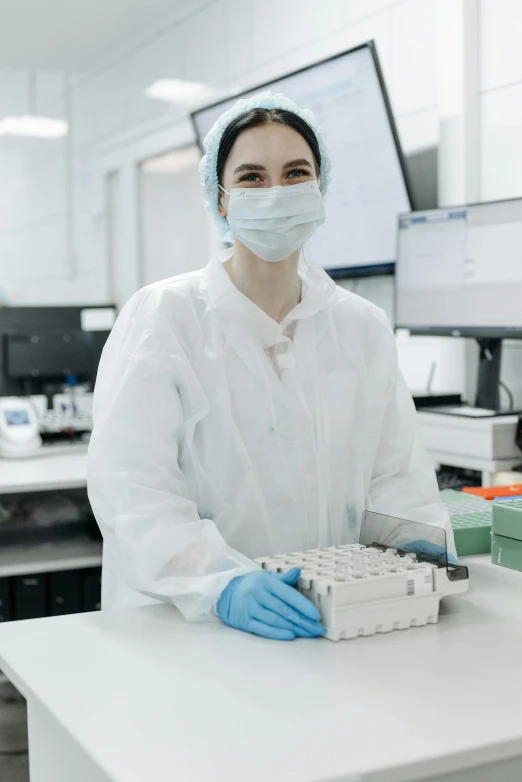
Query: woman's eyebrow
[249, 167]
[300, 161]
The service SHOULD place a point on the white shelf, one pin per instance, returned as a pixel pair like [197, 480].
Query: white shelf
[49, 557]
[54, 471]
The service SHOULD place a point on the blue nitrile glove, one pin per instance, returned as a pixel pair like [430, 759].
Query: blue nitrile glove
[266, 603]
[429, 549]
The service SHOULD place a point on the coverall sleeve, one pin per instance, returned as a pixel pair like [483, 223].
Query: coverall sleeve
[403, 482]
[137, 489]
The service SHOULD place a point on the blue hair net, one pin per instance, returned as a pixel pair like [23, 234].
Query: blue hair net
[208, 164]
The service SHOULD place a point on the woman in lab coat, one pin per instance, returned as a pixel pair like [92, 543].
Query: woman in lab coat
[252, 407]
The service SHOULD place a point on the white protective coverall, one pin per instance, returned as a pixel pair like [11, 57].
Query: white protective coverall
[221, 435]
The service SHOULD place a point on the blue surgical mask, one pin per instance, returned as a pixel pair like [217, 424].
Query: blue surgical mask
[273, 222]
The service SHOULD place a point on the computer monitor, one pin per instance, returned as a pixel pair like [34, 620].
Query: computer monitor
[49, 355]
[42, 346]
[369, 185]
[459, 273]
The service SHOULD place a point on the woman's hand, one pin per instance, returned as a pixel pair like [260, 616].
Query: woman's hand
[267, 604]
[430, 550]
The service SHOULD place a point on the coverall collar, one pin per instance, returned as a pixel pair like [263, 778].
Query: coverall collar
[317, 289]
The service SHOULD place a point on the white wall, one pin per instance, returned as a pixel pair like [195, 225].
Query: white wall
[172, 212]
[500, 106]
[501, 98]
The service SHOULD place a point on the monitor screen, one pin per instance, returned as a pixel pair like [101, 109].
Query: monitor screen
[368, 188]
[41, 345]
[459, 270]
[18, 417]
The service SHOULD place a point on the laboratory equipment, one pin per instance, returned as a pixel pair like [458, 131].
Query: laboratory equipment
[483, 442]
[28, 428]
[19, 431]
[423, 399]
[56, 422]
[80, 405]
[364, 589]
[506, 540]
[41, 346]
[456, 478]
[69, 420]
[459, 273]
[471, 521]
[492, 492]
[369, 186]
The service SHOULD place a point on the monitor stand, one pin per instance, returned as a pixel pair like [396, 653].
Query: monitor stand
[488, 385]
[487, 400]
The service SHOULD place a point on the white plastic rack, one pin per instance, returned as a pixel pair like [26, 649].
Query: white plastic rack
[363, 590]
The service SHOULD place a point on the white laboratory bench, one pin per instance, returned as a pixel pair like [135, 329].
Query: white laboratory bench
[142, 694]
[50, 472]
[49, 557]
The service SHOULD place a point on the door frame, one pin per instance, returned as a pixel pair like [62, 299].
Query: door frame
[124, 157]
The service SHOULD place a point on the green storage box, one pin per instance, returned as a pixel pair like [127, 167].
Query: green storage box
[506, 541]
[471, 521]
[507, 519]
[472, 533]
[506, 552]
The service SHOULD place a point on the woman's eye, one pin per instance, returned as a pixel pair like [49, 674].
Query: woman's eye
[298, 172]
[250, 178]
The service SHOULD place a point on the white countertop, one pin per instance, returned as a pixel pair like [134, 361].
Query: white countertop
[150, 696]
[52, 471]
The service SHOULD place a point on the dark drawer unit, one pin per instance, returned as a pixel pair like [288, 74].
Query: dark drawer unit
[30, 596]
[50, 594]
[91, 589]
[6, 612]
[65, 592]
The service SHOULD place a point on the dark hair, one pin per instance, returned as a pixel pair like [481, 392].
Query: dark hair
[255, 117]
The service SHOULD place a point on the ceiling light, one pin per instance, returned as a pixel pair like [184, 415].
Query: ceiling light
[177, 90]
[37, 127]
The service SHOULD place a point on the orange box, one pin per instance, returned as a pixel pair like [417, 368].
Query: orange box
[490, 492]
